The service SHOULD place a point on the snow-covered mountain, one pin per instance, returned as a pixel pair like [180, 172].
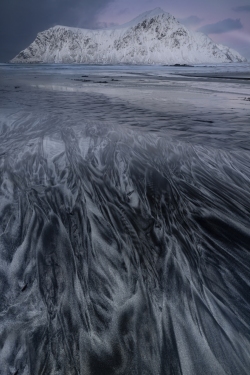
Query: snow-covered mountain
[155, 37]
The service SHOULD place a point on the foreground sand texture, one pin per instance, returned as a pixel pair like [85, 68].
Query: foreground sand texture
[124, 220]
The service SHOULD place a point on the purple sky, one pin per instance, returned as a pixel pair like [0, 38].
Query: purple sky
[229, 20]
[225, 21]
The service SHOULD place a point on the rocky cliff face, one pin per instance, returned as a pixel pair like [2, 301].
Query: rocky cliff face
[155, 37]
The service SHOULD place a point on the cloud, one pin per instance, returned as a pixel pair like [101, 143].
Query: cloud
[190, 21]
[20, 21]
[242, 8]
[221, 26]
[104, 25]
[123, 11]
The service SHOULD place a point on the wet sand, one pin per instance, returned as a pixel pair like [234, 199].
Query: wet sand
[124, 220]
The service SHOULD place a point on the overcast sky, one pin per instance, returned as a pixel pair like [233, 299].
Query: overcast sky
[225, 21]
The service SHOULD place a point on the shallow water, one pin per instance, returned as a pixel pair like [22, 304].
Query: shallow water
[124, 229]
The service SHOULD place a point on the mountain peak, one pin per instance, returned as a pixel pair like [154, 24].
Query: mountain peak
[145, 15]
[154, 37]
